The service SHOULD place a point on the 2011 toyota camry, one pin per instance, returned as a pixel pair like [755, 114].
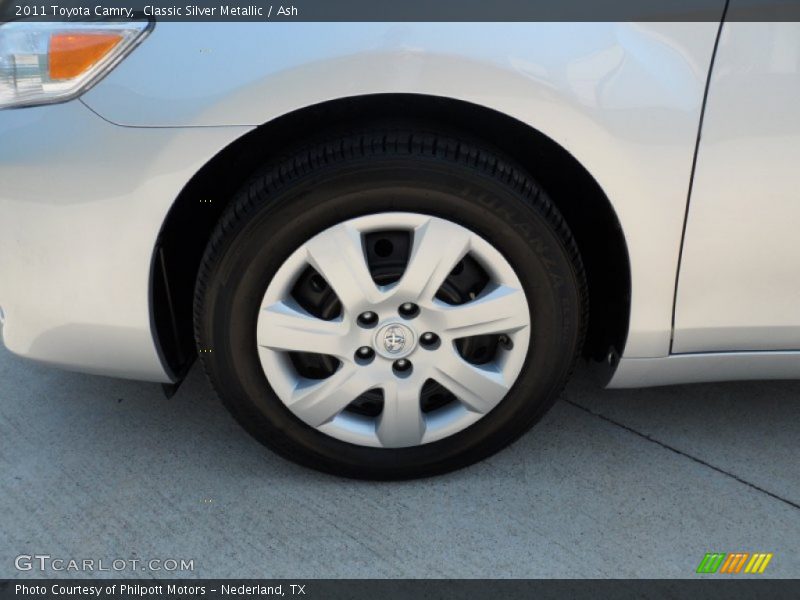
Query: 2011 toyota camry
[389, 243]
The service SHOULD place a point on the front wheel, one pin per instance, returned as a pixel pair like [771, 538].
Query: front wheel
[390, 304]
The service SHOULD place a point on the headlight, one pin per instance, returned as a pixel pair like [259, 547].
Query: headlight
[42, 63]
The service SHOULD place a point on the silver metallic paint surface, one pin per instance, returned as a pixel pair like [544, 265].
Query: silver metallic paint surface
[81, 204]
[739, 287]
[705, 367]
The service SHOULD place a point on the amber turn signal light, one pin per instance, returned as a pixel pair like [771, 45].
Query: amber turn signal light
[72, 54]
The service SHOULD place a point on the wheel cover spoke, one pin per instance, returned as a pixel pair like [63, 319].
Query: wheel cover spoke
[401, 423]
[318, 402]
[438, 247]
[338, 255]
[503, 310]
[479, 388]
[287, 326]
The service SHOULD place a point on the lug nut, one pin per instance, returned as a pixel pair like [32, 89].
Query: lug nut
[429, 340]
[505, 342]
[408, 310]
[364, 355]
[367, 319]
[402, 367]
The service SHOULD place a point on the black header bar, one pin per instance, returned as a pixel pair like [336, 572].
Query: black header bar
[400, 10]
[706, 587]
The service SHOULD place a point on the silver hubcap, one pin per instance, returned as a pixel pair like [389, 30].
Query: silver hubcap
[388, 351]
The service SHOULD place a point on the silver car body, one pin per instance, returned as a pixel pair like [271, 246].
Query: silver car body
[87, 185]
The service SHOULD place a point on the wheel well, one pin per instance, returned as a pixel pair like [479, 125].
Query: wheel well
[577, 195]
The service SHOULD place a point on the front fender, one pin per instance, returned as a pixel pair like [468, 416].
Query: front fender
[623, 99]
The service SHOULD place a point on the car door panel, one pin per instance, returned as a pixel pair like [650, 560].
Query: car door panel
[739, 284]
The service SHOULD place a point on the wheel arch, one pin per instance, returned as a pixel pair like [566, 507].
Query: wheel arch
[197, 209]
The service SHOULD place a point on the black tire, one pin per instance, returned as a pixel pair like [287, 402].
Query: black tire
[387, 169]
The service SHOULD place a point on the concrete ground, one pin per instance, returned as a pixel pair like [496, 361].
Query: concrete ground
[636, 483]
